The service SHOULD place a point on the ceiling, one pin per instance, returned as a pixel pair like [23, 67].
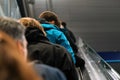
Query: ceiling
[96, 21]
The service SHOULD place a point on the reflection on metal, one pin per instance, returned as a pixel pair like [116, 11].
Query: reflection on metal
[9, 8]
[49, 5]
[14, 10]
[31, 10]
[1, 12]
[31, 1]
[6, 7]
[96, 67]
[26, 8]
[79, 73]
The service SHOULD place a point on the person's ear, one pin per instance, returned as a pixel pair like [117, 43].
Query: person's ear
[20, 48]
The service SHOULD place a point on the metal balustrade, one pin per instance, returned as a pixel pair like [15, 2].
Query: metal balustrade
[95, 66]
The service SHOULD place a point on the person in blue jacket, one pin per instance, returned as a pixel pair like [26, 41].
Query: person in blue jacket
[54, 34]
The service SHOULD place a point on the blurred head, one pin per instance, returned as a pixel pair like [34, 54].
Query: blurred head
[31, 22]
[51, 17]
[63, 23]
[16, 31]
[12, 66]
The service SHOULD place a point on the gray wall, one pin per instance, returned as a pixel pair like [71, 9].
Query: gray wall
[96, 21]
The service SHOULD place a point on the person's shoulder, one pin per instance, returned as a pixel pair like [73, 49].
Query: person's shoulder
[49, 73]
[60, 51]
[57, 46]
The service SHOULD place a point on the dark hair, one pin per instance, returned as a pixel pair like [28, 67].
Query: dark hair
[12, 27]
[64, 24]
[12, 66]
[50, 16]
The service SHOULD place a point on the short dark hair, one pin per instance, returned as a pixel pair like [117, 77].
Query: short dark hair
[12, 28]
[64, 24]
[50, 16]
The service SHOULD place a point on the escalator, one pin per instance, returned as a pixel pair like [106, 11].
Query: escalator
[96, 68]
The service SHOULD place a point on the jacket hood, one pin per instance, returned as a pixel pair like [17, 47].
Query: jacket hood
[34, 35]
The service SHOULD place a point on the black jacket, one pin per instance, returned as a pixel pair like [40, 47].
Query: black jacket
[71, 38]
[39, 48]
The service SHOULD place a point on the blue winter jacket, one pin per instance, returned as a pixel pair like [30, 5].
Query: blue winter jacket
[56, 36]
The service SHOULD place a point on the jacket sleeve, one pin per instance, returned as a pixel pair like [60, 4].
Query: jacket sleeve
[49, 73]
[62, 40]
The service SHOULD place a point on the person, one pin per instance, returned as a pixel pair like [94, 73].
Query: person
[71, 38]
[40, 48]
[53, 31]
[17, 31]
[12, 66]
